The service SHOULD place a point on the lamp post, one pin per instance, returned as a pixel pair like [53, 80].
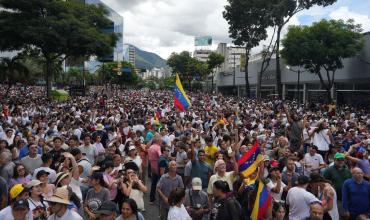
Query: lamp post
[298, 80]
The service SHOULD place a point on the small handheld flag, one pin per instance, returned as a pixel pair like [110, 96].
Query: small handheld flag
[181, 100]
[248, 163]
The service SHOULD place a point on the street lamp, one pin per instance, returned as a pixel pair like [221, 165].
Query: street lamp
[298, 81]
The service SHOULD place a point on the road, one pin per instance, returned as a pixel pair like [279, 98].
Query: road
[151, 211]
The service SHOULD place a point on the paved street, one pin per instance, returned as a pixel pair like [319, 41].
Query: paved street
[151, 211]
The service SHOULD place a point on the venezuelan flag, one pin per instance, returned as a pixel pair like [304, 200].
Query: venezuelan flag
[262, 203]
[181, 100]
[248, 163]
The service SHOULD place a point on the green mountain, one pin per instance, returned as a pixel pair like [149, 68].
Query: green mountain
[148, 60]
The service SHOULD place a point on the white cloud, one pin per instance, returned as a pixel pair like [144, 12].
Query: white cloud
[344, 13]
[166, 26]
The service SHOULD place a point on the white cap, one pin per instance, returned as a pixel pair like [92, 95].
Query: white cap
[196, 183]
[132, 147]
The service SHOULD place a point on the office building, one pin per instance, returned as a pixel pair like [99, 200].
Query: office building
[202, 54]
[117, 27]
[352, 82]
[129, 54]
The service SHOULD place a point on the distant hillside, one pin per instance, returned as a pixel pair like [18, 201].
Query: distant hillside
[148, 60]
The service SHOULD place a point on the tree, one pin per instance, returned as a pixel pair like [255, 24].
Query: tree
[321, 48]
[247, 26]
[12, 71]
[280, 12]
[109, 73]
[214, 61]
[187, 67]
[59, 29]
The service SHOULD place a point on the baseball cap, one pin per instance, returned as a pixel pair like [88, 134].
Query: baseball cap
[266, 158]
[33, 183]
[21, 204]
[132, 147]
[107, 208]
[196, 183]
[41, 173]
[339, 156]
[16, 190]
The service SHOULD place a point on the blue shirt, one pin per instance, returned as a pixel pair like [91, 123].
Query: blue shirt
[200, 169]
[356, 197]
[24, 151]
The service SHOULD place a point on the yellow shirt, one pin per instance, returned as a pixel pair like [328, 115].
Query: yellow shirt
[210, 154]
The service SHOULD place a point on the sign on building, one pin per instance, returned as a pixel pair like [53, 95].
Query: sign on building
[203, 41]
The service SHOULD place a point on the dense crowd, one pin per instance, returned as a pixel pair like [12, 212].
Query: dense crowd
[95, 157]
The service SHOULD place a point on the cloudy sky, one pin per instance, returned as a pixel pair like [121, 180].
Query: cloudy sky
[166, 26]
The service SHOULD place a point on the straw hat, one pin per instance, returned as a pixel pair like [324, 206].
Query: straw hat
[59, 177]
[60, 196]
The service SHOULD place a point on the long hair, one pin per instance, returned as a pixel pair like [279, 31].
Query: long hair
[73, 197]
[16, 174]
[132, 205]
[176, 195]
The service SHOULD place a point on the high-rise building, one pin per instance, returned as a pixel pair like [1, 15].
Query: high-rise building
[116, 27]
[233, 58]
[129, 54]
[202, 54]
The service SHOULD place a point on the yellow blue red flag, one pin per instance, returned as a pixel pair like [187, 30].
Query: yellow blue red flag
[181, 100]
[262, 202]
[249, 162]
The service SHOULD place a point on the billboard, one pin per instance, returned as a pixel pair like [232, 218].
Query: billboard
[203, 41]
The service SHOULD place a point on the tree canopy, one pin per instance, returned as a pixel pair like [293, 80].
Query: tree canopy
[248, 21]
[187, 67]
[108, 73]
[280, 12]
[214, 60]
[59, 29]
[322, 47]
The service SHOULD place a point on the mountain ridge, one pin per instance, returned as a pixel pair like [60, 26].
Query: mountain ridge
[148, 60]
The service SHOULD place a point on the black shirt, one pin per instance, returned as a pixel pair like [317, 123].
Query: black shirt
[227, 208]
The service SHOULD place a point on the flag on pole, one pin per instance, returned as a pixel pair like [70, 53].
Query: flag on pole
[248, 163]
[262, 203]
[181, 100]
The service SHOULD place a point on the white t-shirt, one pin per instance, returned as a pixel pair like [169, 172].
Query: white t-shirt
[299, 201]
[228, 177]
[177, 213]
[52, 175]
[321, 140]
[33, 204]
[68, 215]
[90, 151]
[276, 196]
[75, 185]
[313, 161]
[6, 213]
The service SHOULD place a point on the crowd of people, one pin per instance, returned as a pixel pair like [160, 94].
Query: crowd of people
[95, 157]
